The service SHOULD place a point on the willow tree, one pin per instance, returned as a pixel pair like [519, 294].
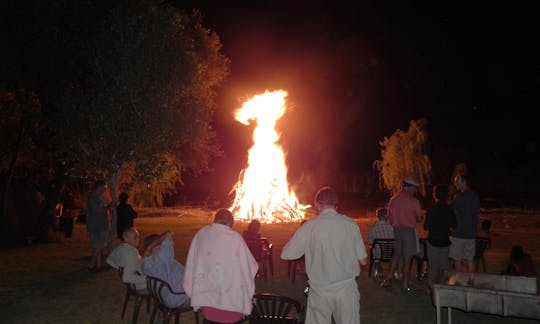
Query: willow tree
[403, 155]
[147, 80]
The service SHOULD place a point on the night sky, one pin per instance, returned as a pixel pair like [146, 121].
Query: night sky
[356, 73]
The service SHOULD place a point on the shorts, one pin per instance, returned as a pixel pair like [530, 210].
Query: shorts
[406, 241]
[462, 249]
[98, 239]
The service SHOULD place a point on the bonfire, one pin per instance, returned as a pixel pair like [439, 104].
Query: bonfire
[262, 191]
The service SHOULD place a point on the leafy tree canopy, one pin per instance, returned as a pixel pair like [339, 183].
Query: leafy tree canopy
[403, 155]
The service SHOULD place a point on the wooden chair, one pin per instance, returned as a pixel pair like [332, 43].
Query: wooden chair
[157, 287]
[482, 244]
[274, 309]
[139, 295]
[386, 249]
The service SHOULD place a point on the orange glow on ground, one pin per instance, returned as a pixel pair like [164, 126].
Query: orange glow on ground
[262, 191]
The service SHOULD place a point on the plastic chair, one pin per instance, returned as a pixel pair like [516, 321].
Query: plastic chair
[274, 309]
[156, 287]
[292, 265]
[421, 259]
[386, 248]
[482, 244]
[139, 295]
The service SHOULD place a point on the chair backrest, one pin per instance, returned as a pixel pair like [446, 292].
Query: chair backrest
[158, 288]
[129, 286]
[482, 243]
[385, 246]
[273, 309]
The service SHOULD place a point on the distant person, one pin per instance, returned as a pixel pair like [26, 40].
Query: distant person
[440, 219]
[159, 262]
[466, 205]
[521, 264]
[125, 214]
[485, 229]
[97, 223]
[253, 239]
[334, 250]
[404, 212]
[381, 229]
[220, 272]
[127, 256]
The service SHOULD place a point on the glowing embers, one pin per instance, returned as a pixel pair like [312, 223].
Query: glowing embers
[262, 191]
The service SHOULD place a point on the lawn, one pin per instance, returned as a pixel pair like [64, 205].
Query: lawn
[49, 283]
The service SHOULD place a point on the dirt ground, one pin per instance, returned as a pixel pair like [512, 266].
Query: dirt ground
[49, 283]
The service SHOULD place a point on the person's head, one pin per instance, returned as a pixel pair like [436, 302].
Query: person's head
[224, 217]
[150, 245]
[381, 213]
[440, 192]
[516, 252]
[131, 236]
[486, 225]
[254, 226]
[461, 182]
[409, 185]
[326, 197]
[123, 197]
[100, 186]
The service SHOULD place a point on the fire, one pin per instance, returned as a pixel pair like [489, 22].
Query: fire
[262, 191]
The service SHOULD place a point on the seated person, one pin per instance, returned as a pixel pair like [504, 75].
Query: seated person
[381, 229]
[159, 262]
[253, 239]
[521, 264]
[127, 256]
[220, 271]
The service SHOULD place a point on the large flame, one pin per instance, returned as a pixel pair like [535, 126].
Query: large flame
[262, 191]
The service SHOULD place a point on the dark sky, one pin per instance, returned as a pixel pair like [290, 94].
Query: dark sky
[356, 73]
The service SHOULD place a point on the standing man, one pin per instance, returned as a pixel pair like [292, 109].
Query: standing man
[127, 256]
[334, 250]
[220, 271]
[404, 212]
[97, 223]
[465, 205]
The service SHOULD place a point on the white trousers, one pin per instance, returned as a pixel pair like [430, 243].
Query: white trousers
[344, 305]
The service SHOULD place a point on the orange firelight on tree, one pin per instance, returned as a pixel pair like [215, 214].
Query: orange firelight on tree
[262, 191]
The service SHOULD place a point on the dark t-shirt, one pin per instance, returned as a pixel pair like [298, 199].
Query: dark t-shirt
[440, 219]
[466, 205]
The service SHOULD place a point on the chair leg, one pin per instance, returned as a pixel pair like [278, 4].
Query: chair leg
[263, 263]
[137, 306]
[126, 299]
[177, 318]
[196, 317]
[154, 311]
[148, 303]
[271, 263]
[166, 318]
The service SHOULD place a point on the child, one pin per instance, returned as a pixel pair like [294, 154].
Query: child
[126, 215]
[253, 239]
[521, 264]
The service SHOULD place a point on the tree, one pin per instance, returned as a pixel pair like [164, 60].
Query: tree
[146, 85]
[403, 155]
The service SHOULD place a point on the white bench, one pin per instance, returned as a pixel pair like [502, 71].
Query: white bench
[502, 295]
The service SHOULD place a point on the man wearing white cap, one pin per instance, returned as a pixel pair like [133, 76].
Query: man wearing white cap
[404, 212]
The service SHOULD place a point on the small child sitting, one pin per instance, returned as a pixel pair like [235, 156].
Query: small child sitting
[253, 239]
[521, 264]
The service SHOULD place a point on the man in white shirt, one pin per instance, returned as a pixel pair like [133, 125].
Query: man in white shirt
[127, 256]
[334, 250]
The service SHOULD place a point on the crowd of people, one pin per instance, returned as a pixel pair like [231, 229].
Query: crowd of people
[218, 278]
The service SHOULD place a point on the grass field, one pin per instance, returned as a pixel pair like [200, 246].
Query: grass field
[49, 283]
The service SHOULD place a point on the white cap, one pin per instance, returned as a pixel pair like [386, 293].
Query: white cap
[410, 182]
